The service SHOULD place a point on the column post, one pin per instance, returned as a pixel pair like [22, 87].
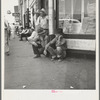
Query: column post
[57, 14]
[82, 10]
[23, 12]
[27, 12]
[72, 9]
[51, 17]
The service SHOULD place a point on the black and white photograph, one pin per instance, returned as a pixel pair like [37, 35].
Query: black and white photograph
[50, 49]
[50, 45]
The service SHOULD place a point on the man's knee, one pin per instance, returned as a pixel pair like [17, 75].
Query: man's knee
[59, 49]
[34, 44]
[49, 48]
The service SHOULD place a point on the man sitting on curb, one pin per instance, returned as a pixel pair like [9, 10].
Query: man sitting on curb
[38, 41]
[61, 46]
[38, 46]
[25, 33]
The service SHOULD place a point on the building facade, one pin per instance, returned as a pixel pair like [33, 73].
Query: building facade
[81, 12]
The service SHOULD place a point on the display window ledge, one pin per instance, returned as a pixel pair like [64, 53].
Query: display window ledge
[79, 36]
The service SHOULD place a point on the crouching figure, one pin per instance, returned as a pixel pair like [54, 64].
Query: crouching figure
[59, 51]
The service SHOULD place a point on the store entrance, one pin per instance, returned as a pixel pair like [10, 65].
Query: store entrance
[44, 4]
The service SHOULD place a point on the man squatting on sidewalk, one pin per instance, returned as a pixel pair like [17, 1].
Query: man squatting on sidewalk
[41, 42]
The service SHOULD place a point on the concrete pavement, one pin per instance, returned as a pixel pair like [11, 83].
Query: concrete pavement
[23, 71]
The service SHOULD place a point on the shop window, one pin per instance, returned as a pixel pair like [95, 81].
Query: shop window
[71, 20]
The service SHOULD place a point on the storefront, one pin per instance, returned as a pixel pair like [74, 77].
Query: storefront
[34, 5]
[77, 18]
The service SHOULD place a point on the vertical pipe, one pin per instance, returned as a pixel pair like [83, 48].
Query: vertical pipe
[23, 12]
[23, 6]
[51, 17]
[28, 17]
[27, 13]
[24, 20]
[54, 4]
[72, 9]
[57, 14]
[82, 10]
[31, 15]
[55, 20]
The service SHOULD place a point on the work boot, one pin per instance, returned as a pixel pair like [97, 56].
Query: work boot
[53, 58]
[20, 40]
[59, 59]
[37, 56]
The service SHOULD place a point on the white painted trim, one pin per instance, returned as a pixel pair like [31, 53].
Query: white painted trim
[51, 17]
[72, 9]
[81, 44]
[82, 10]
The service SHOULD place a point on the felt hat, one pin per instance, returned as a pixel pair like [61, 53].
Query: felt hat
[43, 10]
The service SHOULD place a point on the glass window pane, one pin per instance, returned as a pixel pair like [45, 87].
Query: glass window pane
[77, 16]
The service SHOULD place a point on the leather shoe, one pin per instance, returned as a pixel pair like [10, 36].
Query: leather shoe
[37, 56]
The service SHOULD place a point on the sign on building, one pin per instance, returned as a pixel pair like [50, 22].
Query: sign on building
[8, 12]
[16, 14]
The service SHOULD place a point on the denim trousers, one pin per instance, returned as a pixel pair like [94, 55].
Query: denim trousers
[58, 52]
[38, 49]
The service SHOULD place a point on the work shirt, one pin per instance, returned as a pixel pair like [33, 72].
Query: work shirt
[59, 42]
[33, 37]
[13, 28]
[43, 22]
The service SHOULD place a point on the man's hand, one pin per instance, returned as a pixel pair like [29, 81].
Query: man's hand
[46, 47]
[35, 44]
[45, 52]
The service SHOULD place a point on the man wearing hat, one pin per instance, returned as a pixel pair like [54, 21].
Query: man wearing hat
[61, 46]
[38, 42]
[42, 29]
[43, 19]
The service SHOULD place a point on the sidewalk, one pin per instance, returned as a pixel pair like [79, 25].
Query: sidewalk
[21, 69]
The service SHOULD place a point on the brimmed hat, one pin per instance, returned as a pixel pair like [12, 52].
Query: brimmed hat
[43, 10]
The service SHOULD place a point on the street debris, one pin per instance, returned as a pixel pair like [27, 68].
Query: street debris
[24, 86]
[71, 87]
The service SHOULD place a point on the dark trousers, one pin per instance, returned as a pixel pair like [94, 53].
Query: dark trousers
[38, 50]
[58, 52]
[24, 35]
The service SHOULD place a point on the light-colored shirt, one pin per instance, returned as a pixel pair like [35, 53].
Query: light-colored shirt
[13, 28]
[33, 37]
[44, 22]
